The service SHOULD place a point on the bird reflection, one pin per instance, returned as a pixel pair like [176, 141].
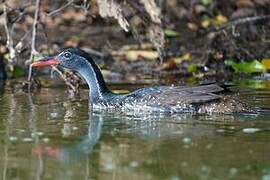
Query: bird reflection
[2, 86]
[85, 146]
[140, 126]
[80, 149]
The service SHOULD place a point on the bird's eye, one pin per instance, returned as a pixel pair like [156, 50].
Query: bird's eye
[67, 55]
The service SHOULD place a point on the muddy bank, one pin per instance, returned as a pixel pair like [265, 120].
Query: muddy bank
[199, 37]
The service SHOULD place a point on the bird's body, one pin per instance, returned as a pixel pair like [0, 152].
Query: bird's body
[174, 99]
[162, 99]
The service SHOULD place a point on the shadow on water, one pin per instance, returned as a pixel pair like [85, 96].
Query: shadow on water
[45, 136]
[2, 86]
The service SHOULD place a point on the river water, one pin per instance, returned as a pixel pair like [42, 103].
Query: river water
[47, 135]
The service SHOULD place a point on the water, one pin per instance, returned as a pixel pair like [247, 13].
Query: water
[48, 136]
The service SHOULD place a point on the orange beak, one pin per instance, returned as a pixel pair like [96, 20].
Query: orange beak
[46, 62]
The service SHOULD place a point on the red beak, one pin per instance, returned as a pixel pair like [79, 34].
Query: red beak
[46, 62]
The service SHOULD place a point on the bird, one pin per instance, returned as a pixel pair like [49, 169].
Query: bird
[156, 99]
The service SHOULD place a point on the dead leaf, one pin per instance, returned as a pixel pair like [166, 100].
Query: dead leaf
[169, 65]
[220, 19]
[245, 3]
[133, 55]
[192, 26]
[72, 14]
[266, 63]
[185, 57]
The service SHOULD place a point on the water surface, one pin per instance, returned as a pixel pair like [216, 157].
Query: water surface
[46, 135]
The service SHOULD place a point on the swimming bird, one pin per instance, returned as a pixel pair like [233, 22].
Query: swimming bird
[161, 99]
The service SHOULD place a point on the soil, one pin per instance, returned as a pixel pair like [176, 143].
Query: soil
[209, 46]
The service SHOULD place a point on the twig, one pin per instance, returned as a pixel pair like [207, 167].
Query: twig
[85, 6]
[33, 41]
[61, 8]
[9, 43]
[94, 52]
[13, 49]
[18, 18]
[64, 78]
[239, 21]
[20, 42]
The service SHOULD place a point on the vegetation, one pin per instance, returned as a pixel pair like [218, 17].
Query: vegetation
[201, 39]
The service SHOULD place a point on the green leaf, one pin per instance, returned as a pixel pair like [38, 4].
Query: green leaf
[7, 56]
[37, 57]
[206, 2]
[192, 68]
[18, 72]
[246, 67]
[171, 33]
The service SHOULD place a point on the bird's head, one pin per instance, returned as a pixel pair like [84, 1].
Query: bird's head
[81, 62]
[71, 58]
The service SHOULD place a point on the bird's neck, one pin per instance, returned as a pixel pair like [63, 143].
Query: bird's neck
[92, 75]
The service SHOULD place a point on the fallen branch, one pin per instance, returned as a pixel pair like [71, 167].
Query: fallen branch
[240, 21]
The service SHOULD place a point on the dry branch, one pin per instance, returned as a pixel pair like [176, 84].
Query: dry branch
[9, 43]
[35, 23]
[61, 8]
[152, 9]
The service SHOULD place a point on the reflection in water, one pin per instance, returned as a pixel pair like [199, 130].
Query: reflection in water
[46, 136]
[79, 150]
[2, 85]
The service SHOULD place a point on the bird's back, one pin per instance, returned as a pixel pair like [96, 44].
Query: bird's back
[175, 99]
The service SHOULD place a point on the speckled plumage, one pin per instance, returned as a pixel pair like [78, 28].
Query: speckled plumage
[174, 99]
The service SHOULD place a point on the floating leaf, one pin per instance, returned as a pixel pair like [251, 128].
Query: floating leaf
[246, 67]
[171, 33]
